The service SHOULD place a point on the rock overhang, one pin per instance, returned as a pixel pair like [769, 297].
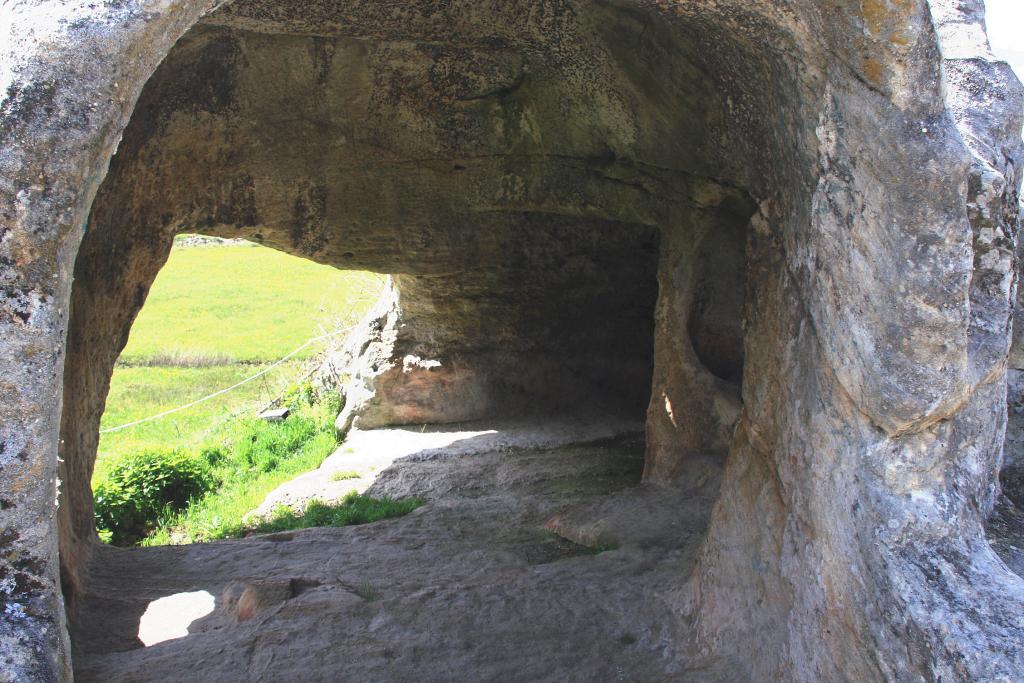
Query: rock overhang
[874, 144]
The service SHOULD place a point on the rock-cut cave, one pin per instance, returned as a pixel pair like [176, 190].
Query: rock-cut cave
[776, 240]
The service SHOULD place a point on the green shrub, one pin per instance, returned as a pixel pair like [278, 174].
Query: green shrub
[252, 459]
[256, 457]
[330, 405]
[300, 394]
[213, 455]
[304, 394]
[143, 488]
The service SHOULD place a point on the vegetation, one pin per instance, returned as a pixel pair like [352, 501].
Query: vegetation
[215, 316]
[598, 548]
[353, 509]
[242, 304]
[145, 486]
[139, 392]
[259, 457]
[252, 461]
[367, 591]
[146, 496]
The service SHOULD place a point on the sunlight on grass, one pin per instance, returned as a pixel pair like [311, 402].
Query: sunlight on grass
[352, 509]
[257, 458]
[215, 316]
[247, 303]
[136, 393]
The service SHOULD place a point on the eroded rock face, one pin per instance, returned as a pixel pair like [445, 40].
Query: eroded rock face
[787, 228]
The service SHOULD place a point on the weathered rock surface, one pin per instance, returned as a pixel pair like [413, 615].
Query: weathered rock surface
[787, 228]
[367, 454]
[469, 587]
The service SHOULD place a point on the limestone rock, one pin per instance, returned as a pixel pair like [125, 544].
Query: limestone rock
[257, 596]
[786, 229]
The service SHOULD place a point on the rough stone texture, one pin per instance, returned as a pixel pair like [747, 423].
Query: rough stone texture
[1012, 473]
[826, 194]
[371, 452]
[470, 586]
[70, 74]
[430, 352]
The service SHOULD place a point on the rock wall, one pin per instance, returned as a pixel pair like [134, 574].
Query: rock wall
[789, 228]
[69, 89]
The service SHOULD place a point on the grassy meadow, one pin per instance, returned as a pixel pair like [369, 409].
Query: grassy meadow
[243, 303]
[216, 315]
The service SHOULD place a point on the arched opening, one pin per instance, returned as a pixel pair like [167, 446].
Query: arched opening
[870, 153]
[560, 227]
[215, 400]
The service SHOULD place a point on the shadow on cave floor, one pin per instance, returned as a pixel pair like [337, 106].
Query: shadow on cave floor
[532, 560]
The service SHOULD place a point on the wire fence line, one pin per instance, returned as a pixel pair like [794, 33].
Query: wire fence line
[225, 390]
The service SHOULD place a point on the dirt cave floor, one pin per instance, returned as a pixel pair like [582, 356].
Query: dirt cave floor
[535, 558]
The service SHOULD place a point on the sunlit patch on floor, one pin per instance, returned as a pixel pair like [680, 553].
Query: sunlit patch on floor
[169, 617]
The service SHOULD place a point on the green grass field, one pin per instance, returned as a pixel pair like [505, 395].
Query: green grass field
[216, 315]
[138, 392]
[244, 304]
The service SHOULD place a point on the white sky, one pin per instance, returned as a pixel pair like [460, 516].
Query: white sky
[1005, 20]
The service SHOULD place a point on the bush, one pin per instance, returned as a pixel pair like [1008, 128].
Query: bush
[144, 487]
[327, 402]
[213, 455]
[257, 457]
[155, 497]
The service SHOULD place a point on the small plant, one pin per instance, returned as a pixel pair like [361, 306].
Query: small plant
[263, 446]
[145, 487]
[344, 475]
[305, 394]
[301, 393]
[213, 455]
[331, 404]
[367, 591]
[353, 509]
[598, 548]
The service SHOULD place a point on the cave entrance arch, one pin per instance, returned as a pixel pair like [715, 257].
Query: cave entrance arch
[519, 207]
[799, 106]
[229, 329]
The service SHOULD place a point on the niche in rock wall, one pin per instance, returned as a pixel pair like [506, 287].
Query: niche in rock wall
[715, 323]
